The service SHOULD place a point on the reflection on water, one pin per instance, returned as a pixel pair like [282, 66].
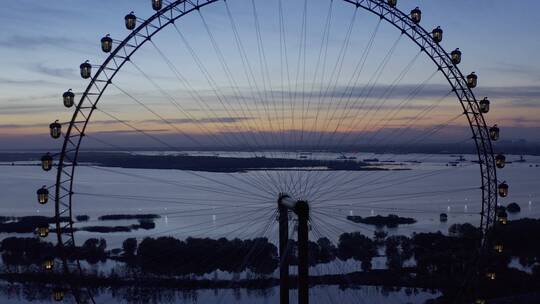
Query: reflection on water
[182, 220]
[15, 293]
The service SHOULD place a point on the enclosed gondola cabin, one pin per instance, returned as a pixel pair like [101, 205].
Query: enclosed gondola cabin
[500, 161]
[58, 294]
[437, 34]
[484, 105]
[494, 133]
[416, 15]
[498, 247]
[491, 275]
[68, 98]
[48, 264]
[443, 217]
[55, 129]
[503, 189]
[43, 195]
[392, 3]
[131, 21]
[42, 231]
[157, 5]
[502, 217]
[106, 44]
[86, 70]
[456, 56]
[472, 80]
[47, 162]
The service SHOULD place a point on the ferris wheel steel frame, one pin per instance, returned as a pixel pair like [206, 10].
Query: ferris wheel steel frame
[174, 10]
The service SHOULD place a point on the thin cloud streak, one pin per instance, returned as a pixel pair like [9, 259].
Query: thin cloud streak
[55, 72]
[201, 120]
[33, 42]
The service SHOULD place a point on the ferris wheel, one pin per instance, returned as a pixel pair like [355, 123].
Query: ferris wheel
[289, 95]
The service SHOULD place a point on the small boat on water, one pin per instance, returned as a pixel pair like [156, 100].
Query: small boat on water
[344, 157]
[520, 160]
[371, 160]
[304, 155]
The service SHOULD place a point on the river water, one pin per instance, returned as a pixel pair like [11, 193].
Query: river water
[229, 205]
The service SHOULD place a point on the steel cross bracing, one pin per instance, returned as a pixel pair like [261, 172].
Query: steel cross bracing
[456, 79]
[174, 10]
[88, 104]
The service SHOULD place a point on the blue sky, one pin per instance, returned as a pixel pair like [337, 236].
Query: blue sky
[43, 42]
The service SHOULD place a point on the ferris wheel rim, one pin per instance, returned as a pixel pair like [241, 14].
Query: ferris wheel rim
[166, 16]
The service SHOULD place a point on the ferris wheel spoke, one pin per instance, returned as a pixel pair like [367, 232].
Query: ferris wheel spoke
[362, 196]
[387, 183]
[133, 98]
[357, 71]
[318, 231]
[331, 87]
[249, 74]
[226, 105]
[361, 201]
[192, 92]
[194, 120]
[138, 130]
[348, 93]
[264, 230]
[374, 206]
[256, 94]
[211, 226]
[188, 201]
[265, 77]
[231, 191]
[246, 111]
[347, 111]
[245, 228]
[223, 100]
[329, 215]
[253, 183]
[408, 98]
[172, 99]
[391, 206]
[373, 81]
[250, 218]
[334, 77]
[321, 58]
[301, 70]
[241, 139]
[378, 104]
[392, 115]
[285, 74]
[422, 136]
[245, 224]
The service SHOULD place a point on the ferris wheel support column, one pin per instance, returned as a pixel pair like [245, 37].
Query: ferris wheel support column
[283, 253]
[301, 209]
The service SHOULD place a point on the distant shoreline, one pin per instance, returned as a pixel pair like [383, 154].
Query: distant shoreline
[215, 163]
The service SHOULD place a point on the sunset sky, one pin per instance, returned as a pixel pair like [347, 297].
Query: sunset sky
[43, 42]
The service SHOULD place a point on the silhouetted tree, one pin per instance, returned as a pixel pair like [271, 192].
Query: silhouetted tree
[129, 246]
[398, 249]
[357, 246]
[93, 250]
[327, 250]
